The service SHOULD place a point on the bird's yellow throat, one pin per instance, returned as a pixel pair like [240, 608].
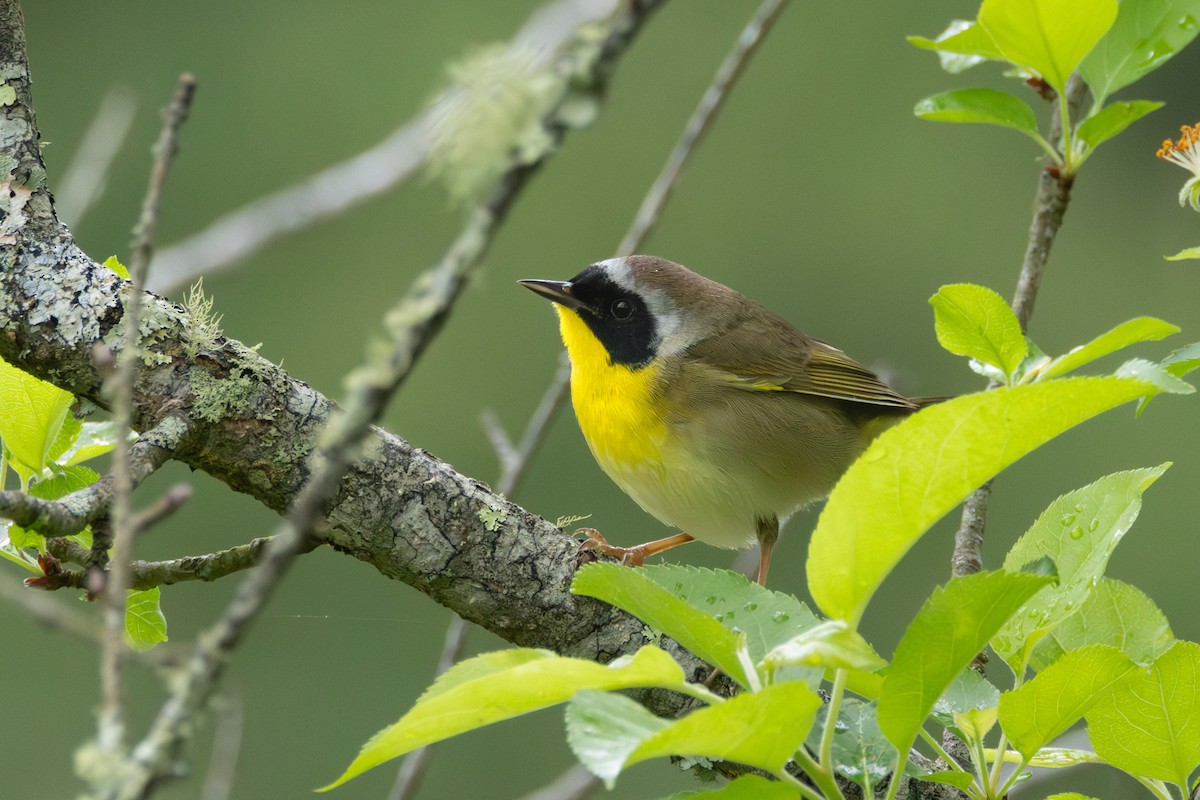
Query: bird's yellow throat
[617, 407]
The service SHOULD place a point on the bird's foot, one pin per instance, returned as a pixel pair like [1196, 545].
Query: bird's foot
[593, 542]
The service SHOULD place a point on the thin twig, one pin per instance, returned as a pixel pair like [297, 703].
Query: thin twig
[111, 717]
[1053, 195]
[412, 768]
[656, 198]
[208, 567]
[84, 179]
[148, 574]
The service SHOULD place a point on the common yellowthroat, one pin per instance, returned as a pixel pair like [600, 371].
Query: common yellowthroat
[713, 413]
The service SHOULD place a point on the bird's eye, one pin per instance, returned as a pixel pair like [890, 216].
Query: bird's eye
[622, 309]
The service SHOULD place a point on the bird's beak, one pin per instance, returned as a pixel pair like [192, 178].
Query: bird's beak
[557, 291]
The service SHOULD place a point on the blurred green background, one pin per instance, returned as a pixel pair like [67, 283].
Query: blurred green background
[817, 192]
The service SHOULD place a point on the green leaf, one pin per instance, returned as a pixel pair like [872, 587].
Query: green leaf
[1070, 796]
[1116, 614]
[1149, 725]
[1146, 33]
[1058, 697]
[1113, 119]
[832, 644]
[498, 686]
[630, 590]
[145, 625]
[1149, 372]
[116, 266]
[969, 691]
[604, 729]
[1179, 363]
[760, 729]
[950, 629]
[704, 610]
[1182, 255]
[860, 751]
[63, 482]
[1050, 37]
[12, 552]
[768, 618]
[94, 440]
[988, 106]
[1182, 361]
[1134, 331]
[975, 723]
[67, 434]
[974, 321]
[915, 472]
[31, 414]
[747, 787]
[1079, 532]
[961, 46]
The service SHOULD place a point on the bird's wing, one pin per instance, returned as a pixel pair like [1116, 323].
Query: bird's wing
[796, 363]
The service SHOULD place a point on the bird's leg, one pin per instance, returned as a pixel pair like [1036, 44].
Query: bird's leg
[634, 556]
[768, 532]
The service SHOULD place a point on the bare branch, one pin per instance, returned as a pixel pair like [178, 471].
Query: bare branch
[208, 567]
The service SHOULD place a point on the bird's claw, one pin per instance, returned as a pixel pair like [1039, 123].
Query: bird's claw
[592, 541]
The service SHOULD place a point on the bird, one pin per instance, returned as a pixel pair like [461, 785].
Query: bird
[713, 413]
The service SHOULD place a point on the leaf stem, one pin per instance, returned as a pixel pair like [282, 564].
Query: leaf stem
[1156, 788]
[940, 751]
[820, 776]
[1064, 116]
[894, 783]
[831, 717]
[994, 775]
[1012, 779]
[979, 757]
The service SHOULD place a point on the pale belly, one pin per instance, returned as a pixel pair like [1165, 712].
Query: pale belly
[694, 496]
